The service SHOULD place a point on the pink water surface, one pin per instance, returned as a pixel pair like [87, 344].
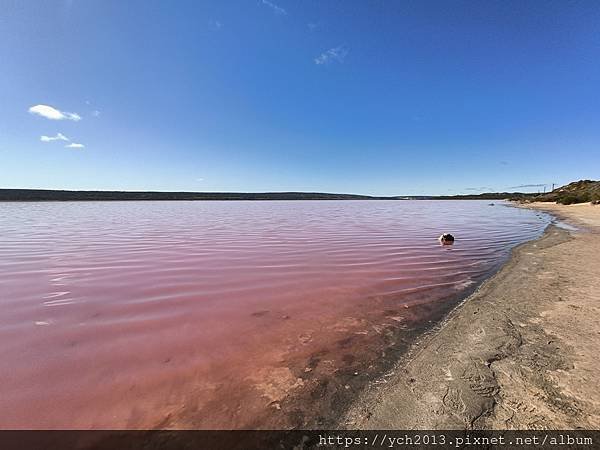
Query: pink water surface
[215, 314]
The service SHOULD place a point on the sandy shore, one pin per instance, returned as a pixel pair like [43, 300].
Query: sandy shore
[520, 353]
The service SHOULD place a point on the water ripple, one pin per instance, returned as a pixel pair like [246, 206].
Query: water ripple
[154, 300]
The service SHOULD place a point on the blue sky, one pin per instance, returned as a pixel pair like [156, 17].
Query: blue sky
[373, 97]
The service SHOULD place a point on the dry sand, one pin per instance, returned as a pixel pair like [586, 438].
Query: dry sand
[520, 353]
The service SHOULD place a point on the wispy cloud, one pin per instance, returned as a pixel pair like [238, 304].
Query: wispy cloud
[215, 25]
[96, 113]
[52, 113]
[479, 189]
[337, 54]
[527, 186]
[74, 145]
[312, 26]
[274, 7]
[58, 137]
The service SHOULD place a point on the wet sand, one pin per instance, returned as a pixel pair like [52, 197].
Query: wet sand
[520, 353]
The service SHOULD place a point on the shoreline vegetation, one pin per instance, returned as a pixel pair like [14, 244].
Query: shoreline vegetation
[576, 192]
[519, 353]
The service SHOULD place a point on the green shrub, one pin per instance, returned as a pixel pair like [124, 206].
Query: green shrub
[570, 199]
[567, 200]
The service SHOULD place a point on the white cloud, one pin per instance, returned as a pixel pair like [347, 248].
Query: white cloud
[274, 7]
[58, 137]
[96, 113]
[333, 54]
[74, 145]
[53, 114]
[215, 25]
[199, 179]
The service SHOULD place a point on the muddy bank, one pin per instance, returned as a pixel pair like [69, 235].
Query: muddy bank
[317, 384]
[520, 353]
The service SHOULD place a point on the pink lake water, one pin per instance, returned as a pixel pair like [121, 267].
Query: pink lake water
[225, 314]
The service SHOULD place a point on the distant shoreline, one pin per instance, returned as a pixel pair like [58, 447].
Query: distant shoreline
[47, 195]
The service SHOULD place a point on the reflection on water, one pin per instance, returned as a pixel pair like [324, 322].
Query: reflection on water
[215, 314]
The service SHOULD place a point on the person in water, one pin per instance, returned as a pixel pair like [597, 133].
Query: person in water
[446, 239]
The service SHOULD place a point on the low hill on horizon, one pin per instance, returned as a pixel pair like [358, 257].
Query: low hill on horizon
[64, 195]
[576, 192]
[581, 191]
[39, 195]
